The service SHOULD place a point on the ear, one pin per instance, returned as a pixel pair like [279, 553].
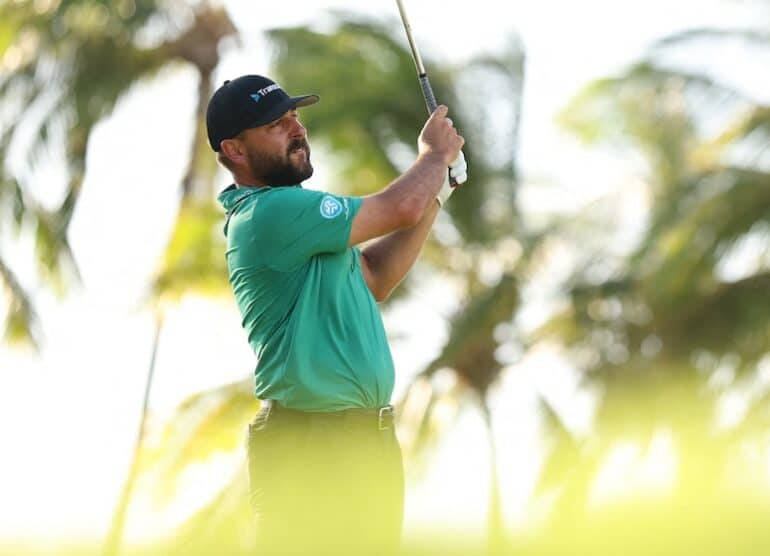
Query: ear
[232, 149]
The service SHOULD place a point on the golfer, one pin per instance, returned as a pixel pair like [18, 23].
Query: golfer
[325, 467]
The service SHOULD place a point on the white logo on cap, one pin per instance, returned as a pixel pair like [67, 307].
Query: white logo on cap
[269, 89]
[263, 92]
[330, 207]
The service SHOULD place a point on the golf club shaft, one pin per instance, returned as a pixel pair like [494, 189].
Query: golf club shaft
[427, 90]
[422, 75]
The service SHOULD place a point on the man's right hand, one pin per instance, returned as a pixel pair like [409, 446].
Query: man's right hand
[439, 137]
[402, 204]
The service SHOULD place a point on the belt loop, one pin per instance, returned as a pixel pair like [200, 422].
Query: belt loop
[266, 408]
[268, 405]
[385, 418]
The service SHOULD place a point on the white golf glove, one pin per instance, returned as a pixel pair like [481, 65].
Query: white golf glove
[459, 171]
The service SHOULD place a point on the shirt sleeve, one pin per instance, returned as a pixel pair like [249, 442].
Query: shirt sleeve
[294, 224]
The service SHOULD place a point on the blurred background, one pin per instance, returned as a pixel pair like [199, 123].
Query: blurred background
[582, 352]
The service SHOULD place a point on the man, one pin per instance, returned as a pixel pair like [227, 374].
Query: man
[325, 467]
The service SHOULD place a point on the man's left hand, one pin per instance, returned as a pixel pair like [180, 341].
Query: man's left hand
[457, 170]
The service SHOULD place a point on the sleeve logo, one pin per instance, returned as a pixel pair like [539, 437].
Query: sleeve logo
[330, 207]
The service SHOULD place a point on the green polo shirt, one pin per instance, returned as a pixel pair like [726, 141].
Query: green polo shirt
[310, 317]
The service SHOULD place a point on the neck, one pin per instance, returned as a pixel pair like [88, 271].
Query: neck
[241, 182]
[245, 179]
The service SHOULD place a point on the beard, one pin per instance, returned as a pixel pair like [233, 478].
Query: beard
[281, 171]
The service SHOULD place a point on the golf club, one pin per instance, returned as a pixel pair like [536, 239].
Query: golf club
[422, 75]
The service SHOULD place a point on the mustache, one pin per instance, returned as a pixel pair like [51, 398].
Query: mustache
[297, 144]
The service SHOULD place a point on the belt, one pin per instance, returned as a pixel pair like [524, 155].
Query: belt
[383, 416]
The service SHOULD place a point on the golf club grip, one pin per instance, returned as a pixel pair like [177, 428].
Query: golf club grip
[427, 93]
[430, 102]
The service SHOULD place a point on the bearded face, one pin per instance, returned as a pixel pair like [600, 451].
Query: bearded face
[289, 168]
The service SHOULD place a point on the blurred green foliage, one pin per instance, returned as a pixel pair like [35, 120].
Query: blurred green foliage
[64, 64]
[663, 332]
[194, 258]
[679, 323]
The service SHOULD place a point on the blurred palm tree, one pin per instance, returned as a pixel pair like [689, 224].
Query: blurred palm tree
[676, 322]
[368, 121]
[65, 65]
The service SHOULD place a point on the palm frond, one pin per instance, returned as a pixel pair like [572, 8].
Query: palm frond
[21, 321]
[754, 37]
[224, 525]
[206, 424]
[71, 63]
[470, 349]
[194, 259]
[687, 239]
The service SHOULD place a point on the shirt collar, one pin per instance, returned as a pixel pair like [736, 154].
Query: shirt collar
[232, 195]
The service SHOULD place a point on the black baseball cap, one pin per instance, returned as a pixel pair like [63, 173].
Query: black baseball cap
[246, 102]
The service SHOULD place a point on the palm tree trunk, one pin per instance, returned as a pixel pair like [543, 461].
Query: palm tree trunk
[194, 184]
[115, 535]
[495, 526]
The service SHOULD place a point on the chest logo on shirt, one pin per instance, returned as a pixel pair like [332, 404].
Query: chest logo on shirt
[330, 207]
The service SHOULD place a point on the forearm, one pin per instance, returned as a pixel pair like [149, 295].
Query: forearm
[390, 258]
[416, 189]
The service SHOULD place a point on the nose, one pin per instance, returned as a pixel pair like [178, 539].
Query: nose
[298, 130]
